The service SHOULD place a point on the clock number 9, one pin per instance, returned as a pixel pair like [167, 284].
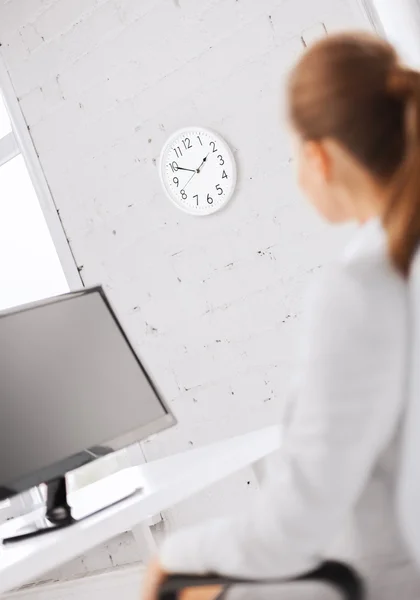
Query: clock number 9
[183, 195]
[209, 199]
[176, 181]
[221, 161]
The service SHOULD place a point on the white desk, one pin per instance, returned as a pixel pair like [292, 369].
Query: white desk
[165, 482]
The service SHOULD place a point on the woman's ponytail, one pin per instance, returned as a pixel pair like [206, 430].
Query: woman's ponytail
[402, 215]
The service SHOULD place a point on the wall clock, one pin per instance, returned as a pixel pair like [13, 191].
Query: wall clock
[198, 171]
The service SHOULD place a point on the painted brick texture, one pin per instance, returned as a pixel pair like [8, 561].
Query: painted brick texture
[212, 304]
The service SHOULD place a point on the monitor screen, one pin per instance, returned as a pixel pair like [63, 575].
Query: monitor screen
[69, 381]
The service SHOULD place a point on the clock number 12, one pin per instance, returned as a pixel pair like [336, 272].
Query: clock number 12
[187, 143]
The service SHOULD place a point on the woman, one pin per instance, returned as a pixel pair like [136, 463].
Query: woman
[355, 114]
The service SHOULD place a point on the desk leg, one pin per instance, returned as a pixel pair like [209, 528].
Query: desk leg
[145, 540]
[259, 469]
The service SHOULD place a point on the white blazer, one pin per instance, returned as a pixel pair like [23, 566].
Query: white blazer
[332, 490]
[409, 480]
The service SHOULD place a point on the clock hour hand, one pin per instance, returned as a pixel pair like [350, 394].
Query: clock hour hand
[203, 161]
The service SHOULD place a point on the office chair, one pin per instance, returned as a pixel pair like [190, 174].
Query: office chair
[335, 576]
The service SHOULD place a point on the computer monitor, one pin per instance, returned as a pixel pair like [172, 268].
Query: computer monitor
[71, 389]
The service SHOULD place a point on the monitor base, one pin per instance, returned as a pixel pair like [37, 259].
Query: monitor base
[58, 513]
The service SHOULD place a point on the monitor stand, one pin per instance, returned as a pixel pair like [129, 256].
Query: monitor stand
[58, 510]
[58, 514]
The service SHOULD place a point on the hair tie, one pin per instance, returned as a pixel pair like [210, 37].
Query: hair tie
[402, 82]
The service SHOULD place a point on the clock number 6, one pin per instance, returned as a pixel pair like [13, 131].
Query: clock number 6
[209, 199]
[219, 189]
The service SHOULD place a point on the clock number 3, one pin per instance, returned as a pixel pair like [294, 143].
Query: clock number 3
[221, 161]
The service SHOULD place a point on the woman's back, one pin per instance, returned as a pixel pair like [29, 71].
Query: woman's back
[409, 482]
[372, 538]
[379, 552]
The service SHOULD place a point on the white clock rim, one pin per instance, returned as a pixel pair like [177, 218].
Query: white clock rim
[186, 209]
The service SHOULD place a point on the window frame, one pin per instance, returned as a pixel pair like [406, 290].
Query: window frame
[19, 141]
[9, 148]
[370, 11]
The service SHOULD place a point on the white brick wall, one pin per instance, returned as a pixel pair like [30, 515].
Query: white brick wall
[213, 304]
[123, 582]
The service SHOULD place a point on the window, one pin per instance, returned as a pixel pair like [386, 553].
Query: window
[29, 265]
[30, 268]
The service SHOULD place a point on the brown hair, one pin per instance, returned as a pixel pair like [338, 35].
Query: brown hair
[352, 88]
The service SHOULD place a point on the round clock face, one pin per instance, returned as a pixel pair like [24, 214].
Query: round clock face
[198, 171]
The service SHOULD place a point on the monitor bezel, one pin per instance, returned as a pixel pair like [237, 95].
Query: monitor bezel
[62, 467]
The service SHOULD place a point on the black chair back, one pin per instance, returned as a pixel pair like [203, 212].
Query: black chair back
[339, 575]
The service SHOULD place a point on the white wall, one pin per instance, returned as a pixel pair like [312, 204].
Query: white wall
[122, 582]
[213, 304]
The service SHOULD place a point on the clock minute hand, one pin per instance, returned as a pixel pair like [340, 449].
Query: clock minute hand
[183, 169]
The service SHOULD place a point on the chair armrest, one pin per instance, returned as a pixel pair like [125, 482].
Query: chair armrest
[339, 575]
